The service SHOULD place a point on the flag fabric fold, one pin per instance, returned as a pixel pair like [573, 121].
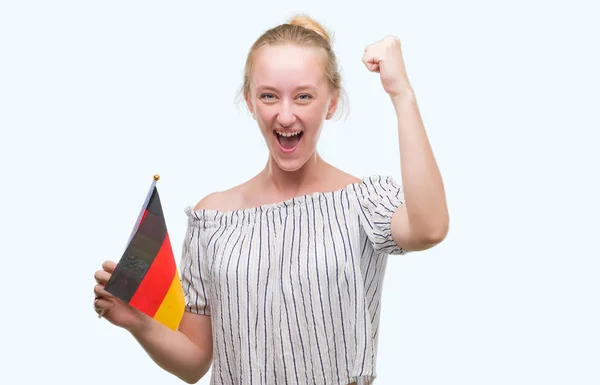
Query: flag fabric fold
[146, 276]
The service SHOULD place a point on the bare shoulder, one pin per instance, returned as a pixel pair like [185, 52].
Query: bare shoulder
[341, 179]
[350, 179]
[225, 200]
[212, 201]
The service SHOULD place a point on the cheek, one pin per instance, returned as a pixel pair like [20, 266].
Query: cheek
[313, 116]
[264, 119]
[264, 114]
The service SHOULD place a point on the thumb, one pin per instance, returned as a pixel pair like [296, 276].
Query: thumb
[373, 67]
[371, 62]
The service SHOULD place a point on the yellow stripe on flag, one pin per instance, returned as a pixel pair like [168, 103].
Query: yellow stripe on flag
[172, 307]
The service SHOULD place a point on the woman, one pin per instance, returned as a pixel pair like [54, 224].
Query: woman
[282, 274]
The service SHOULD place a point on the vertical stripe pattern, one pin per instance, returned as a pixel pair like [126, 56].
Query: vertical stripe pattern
[293, 288]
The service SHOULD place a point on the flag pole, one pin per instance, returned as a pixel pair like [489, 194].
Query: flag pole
[155, 179]
[141, 214]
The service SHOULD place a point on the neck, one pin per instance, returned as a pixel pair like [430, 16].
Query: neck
[292, 183]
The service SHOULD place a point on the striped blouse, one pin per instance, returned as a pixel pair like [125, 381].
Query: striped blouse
[293, 288]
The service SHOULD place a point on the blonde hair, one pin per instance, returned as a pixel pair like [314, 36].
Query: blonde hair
[301, 30]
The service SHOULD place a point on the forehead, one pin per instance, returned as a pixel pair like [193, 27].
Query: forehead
[287, 65]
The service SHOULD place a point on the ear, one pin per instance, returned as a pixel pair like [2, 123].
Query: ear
[249, 105]
[332, 106]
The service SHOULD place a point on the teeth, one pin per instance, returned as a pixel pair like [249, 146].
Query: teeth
[288, 134]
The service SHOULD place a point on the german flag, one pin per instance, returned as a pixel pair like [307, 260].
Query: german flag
[146, 276]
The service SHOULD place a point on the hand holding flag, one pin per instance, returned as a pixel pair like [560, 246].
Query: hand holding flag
[113, 309]
[146, 277]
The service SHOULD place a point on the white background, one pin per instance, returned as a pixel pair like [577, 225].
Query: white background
[97, 97]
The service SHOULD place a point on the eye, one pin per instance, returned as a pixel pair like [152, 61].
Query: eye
[267, 96]
[305, 97]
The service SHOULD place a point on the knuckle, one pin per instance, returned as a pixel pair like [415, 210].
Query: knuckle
[392, 40]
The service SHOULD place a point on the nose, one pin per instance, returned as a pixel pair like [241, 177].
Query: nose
[285, 115]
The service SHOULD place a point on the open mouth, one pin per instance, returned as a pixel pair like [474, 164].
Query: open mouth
[288, 141]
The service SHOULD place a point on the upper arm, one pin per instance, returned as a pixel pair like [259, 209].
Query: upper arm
[384, 216]
[377, 200]
[408, 238]
[196, 323]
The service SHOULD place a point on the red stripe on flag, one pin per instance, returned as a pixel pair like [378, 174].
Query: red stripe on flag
[155, 285]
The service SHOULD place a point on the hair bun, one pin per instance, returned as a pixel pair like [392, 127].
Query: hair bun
[310, 23]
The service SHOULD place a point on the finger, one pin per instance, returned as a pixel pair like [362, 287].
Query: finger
[366, 57]
[371, 65]
[100, 292]
[371, 62]
[102, 305]
[109, 266]
[102, 276]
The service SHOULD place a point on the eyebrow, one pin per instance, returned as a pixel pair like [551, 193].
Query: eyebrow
[303, 87]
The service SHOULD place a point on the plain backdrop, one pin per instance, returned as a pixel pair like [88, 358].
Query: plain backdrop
[97, 97]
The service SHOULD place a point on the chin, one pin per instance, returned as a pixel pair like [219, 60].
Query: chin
[289, 165]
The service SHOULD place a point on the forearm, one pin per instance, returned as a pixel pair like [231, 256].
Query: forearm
[421, 179]
[173, 351]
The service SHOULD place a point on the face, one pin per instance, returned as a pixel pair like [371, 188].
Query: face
[290, 98]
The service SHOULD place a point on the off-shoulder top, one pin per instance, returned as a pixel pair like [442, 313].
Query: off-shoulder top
[293, 288]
